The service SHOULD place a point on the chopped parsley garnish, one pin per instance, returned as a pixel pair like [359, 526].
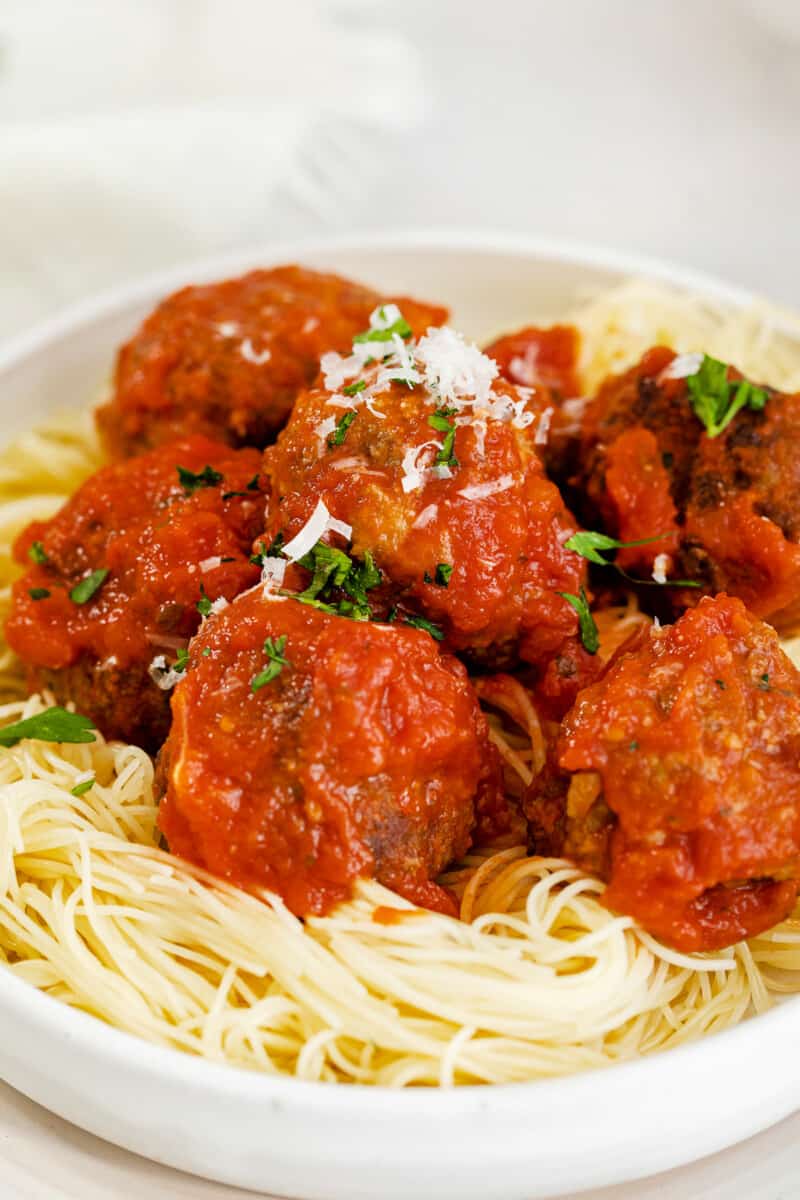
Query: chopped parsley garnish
[206, 651]
[592, 546]
[720, 684]
[334, 569]
[442, 576]
[440, 422]
[83, 591]
[192, 481]
[181, 659]
[589, 635]
[273, 648]
[81, 788]
[764, 684]
[53, 725]
[203, 605]
[634, 745]
[716, 400]
[342, 426]
[353, 389]
[252, 486]
[38, 593]
[400, 327]
[423, 623]
[36, 553]
[275, 546]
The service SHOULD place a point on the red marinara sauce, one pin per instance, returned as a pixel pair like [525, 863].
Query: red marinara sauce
[227, 359]
[494, 524]
[724, 508]
[546, 359]
[676, 777]
[363, 756]
[164, 541]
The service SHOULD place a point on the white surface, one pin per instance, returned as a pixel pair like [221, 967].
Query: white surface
[510, 1143]
[44, 1158]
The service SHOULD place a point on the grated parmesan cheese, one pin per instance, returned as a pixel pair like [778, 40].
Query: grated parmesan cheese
[251, 355]
[682, 367]
[273, 571]
[210, 564]
[660, 568]
[479, 491]
[318, 524]
[163, 676]
[543, 428]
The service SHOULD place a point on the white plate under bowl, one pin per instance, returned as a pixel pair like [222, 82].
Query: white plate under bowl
[321, 1141]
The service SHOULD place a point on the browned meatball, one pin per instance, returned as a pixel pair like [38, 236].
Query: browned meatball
[227, 359]
[432, 462]
[721, 496]
[308, 750]
[114, 580]
[676, 778]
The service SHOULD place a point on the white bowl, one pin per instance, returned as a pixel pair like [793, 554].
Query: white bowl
[321, 1141]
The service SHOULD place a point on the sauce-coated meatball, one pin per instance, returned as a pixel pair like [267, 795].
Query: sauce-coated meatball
[676, 778]
[432, 460]
[308, 750]
[725, 506]
[227, 359]
[546, 361]
[114, 579]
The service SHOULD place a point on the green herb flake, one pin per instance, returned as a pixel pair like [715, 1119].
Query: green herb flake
[206, 651]
[55, 724]
[203, 605]
[720, 684]
[192, 481]
[353, 389]
[442, 576]
[342, 426]
[400, 327]
[715, 399]
[38, 593]
[589, 635]
[423, 623]
[764, 684]
[634, 745]
[439, 420]
[334, 569]
[273, 648]
[83, 591]
[591, 546]
[36, 553]
[81, 788]
[181, 659]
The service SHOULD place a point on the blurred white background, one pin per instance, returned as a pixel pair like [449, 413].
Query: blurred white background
[137, 133]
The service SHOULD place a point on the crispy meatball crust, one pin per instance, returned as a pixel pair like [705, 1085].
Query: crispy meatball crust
[676, 777]
[228, 359]
[365, 755]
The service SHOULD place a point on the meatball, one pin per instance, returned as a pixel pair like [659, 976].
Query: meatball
[308, 751]
[431, 461]
[114, 580]
[546, 359]
[720, 498]
[676, 778]
[228, 359]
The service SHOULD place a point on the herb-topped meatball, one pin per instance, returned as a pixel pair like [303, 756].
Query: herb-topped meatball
[227, 359]
[308, 751]
[676, 778]
[430, 462]
[683, 450]
[118, 580]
